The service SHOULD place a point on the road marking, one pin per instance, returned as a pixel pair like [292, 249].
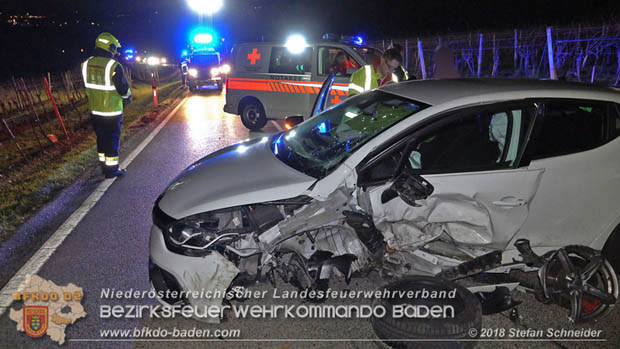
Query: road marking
[37, 261]
[277, 126]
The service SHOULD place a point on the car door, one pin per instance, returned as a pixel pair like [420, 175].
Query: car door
[289, 76]
[322, 99]
[576, 143]
[470, 156]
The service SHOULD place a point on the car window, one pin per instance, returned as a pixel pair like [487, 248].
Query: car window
[285, 62]
[615, 120]
[568, 126]
[369, 54]
[208, 59]
[469, 141]
[319, 144]
[336, 60]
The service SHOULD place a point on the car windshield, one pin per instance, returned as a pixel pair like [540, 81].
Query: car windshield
[368, 53]
[318, 145]
[211, 59]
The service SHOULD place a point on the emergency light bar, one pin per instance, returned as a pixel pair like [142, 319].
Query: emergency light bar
[205, 38]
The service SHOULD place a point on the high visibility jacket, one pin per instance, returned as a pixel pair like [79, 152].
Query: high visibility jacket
[103, 98]
[365, 79]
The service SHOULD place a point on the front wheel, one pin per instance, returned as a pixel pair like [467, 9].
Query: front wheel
[253, 116]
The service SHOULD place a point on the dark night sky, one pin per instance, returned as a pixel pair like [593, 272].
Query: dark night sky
[161, 26]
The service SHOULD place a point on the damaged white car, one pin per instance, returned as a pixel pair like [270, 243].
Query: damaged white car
[448, 179]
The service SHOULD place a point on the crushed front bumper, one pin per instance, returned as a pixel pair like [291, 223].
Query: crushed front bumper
[204, 279]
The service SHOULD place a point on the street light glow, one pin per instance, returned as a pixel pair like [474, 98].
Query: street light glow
[208, 7]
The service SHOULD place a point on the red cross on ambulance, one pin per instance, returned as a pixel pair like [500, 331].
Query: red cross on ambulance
[254, 56]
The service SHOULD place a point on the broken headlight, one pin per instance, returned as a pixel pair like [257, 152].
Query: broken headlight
[198, 234]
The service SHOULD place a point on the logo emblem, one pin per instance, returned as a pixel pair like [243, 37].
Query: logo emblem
[35, 320]
[254, 56]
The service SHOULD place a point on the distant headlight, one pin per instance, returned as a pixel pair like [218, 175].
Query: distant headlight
[153, 61]
[164, 61]
[225, 69]
[215, 71]
[193, 72]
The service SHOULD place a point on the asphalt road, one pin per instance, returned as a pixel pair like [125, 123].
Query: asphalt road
[109, 249]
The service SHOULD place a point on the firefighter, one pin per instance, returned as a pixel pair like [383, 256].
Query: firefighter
[377, 74]
[108, 90]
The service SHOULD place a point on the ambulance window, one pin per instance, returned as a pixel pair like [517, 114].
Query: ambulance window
[337, 60]
[284, 62]
[369, 54]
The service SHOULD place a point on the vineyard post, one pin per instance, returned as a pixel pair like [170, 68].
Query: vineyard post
[552, 73]
[421, 55]
[407, 54]
[51, 97]
[495, 58]
[479, 55]
[8, 129]
[30, 101]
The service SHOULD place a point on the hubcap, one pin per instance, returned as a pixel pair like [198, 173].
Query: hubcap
[252, 115]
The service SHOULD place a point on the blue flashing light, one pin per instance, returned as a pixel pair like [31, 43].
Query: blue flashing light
[358, 40]
[184, 53]
[322, 127]
[203, 37]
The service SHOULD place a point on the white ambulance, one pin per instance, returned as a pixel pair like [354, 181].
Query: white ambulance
[273, 81]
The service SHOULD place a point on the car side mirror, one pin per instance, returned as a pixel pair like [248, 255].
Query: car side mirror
[292, 121]
[409, 187]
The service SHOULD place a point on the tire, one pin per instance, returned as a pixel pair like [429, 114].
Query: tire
[253, 116]
[466, 323]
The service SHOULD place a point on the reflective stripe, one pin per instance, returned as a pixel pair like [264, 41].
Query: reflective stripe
[394, 78]
[85, 71]
[108, 86]
[368, 73]
[103, 113]
[108, 68]
[101, 156]
[126, 95]
[356, 87]
[100, 87]
[111, 161]
[105, 41]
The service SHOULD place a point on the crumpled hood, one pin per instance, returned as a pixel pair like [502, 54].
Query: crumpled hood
[239, 174]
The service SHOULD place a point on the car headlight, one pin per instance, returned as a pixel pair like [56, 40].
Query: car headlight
[225, 69]
[199, 234]
[193, 72]
[215, 71]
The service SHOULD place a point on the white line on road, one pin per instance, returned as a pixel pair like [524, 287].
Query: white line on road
[277, 126]
[37, 261]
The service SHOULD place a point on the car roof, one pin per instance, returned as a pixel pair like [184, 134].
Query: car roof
[434, 92]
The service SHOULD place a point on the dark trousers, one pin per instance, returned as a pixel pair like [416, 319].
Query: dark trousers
[108, 131]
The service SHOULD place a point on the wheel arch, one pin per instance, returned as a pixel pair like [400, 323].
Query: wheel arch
[611, 249]
[246, 100]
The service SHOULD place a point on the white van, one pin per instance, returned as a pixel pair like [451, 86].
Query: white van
[268, 81]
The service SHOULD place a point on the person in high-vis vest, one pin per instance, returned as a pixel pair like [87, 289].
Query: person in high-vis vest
[107, 90]
[377, 74]
[401, 71]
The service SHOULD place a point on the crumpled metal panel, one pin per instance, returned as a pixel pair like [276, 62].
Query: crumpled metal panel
[216, 275]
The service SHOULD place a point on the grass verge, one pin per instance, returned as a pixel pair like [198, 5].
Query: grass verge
[28, 185]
